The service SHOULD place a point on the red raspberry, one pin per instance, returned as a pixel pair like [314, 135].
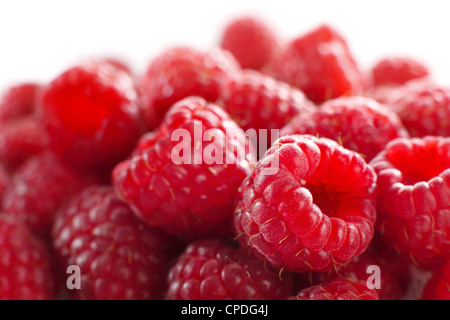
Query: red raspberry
[212, 270]
[25, 269]
[339, 289]
[320, 64]
[382, 94]
[180, 72]
[308, 205]
[359, 124]
[438, 286]
[19, 101]
[256, 101]
[423, 107]
[413, 198]
[5, 181]
[39, 187]
[21, 134]
[92, 114]
[118, 63]
[394, 272]
[252, 41]
[119, 257]
[20, 140]
[187, 196]
[396, 71]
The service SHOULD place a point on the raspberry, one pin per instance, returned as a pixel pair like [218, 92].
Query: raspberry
[423, 107]
[339, 289]
[92, 114]
[256, 101]
[212, 270]
[20, 140]
[19, 101]
[394, 272]
[396, 71]
[180, 72]
[381, 94]
[36, 191]
[25, 269]
[308, 205]
[359, 124]
[437, 287]
[413, 206]
[118, 63]
[5, 181]
[320, 64]
[186, 196]
[251, 40]
[119, 257]
[21, 133]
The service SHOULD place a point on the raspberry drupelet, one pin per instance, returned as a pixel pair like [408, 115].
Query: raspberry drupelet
[184, 177]
[213, 270]
[309, 205]
[413, 206]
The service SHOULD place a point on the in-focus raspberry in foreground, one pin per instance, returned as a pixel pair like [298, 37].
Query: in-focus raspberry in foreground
[173, 182]
[314, 209]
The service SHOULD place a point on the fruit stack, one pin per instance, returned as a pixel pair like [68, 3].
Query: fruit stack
[121, 184]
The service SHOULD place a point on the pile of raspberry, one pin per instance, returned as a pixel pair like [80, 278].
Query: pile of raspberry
[120, 184]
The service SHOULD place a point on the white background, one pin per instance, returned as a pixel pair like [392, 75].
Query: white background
[38, 39]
